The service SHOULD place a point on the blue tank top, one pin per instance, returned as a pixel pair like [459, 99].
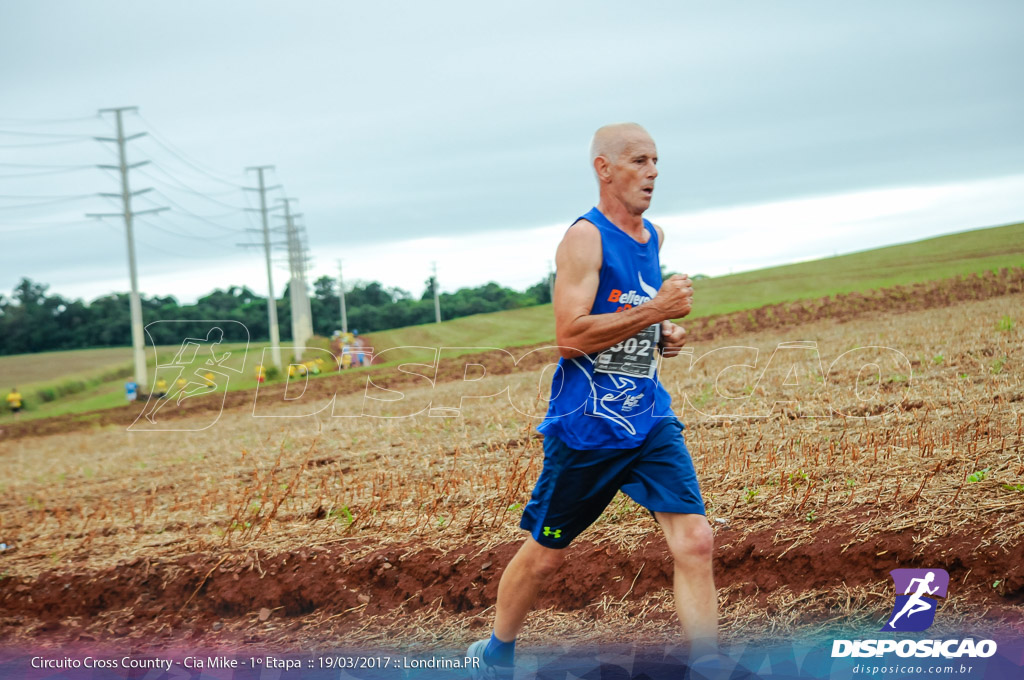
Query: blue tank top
[613, 399]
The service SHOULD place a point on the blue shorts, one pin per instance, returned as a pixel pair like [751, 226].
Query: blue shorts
[576, 486]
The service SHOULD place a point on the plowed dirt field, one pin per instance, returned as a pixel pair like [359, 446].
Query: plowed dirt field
[832, 447]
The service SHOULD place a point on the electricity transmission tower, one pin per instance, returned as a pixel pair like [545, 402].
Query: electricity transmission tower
[138, 343]
[298, 261]
[341, 296]
[275, 334]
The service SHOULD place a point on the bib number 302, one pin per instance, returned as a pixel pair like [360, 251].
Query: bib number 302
[633, 356]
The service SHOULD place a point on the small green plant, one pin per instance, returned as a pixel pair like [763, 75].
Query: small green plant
[798, 478]
[977, 476]
[1005, 325]
[750, 493]
[997, 366]
[963, 376]
[938, 359]
[810, 516]
[441, 522]
[1019, 488]
[897, 378]
[514, 507]
[342, 514]
[703, 397]
[271, 373]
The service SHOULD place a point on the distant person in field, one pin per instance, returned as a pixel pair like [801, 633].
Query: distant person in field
[160, 388]
[360, 357]
[14, 402]
[610, 425]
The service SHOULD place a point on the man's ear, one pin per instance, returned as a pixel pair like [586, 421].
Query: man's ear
[603, 168]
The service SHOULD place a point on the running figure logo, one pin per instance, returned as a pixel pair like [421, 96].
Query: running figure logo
[915, 608]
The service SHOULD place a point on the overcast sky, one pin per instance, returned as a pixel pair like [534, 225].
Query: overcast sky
[458, 132]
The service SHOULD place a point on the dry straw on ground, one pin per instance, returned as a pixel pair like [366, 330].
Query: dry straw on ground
[924, 462]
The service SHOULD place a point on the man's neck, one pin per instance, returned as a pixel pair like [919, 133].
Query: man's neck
[621, 217]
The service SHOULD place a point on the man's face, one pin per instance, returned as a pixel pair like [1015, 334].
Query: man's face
[634, 171]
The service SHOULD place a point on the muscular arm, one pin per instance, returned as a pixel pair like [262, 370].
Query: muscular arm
[579, 267]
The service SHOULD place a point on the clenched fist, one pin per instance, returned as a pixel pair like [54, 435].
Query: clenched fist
[673, 337]
[675, 298]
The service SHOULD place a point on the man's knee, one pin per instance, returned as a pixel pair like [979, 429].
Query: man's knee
[540, 561]
[546, 564]
[694, 541]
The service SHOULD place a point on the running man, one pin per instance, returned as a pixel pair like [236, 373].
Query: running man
[610, 425]
[915, 604]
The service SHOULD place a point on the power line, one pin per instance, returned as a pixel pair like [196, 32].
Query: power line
[183, 233]
[54, 143]
[198, 217]
[67, 199]
[21, 198]
[185, 187]
[40, 165]
[180, 155]
[164, 251]
[46, 121]
[75, 135]
[63, 171]
[45, 225]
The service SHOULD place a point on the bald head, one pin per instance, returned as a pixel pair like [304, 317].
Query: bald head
[611, 141]
[625, 162]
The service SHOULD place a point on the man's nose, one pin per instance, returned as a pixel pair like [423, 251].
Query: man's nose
[653, 172]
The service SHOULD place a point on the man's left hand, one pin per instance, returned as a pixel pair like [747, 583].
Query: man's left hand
[673, 338]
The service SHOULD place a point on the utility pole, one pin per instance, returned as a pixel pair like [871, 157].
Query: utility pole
[307, 311]
[299, 296]
[275, 334]
[437, 302]
[135, 304]
[341, 295]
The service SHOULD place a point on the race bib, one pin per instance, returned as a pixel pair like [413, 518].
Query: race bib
[634, 356]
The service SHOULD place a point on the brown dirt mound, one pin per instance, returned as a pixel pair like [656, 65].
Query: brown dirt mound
[353, 581]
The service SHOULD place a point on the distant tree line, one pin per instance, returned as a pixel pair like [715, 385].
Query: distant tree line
[33, 321]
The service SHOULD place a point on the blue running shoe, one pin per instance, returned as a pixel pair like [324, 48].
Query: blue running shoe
[480, 669]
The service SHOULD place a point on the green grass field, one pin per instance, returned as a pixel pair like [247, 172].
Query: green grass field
[101, 374]
[931, 259]
[928, 260]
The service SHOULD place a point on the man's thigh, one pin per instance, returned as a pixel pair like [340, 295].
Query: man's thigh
[662, 478]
